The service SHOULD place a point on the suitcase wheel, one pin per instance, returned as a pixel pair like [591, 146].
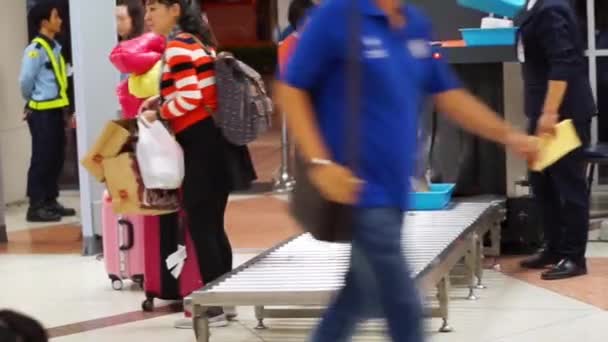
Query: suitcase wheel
[148, 305]
[139, 280]
[116, 283]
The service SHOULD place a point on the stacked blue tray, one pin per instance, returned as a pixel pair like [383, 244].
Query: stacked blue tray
[504, 8]
[490, 36]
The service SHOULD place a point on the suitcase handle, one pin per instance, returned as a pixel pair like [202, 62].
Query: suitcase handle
[130, 233]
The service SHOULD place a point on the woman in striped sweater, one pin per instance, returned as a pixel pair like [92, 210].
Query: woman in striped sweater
[188, 99]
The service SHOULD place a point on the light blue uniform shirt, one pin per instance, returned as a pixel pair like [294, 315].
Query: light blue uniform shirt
[37, 79]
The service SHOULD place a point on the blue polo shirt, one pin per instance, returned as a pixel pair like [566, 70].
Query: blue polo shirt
[399, 69]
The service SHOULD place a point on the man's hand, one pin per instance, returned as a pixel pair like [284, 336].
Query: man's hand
[151, 103]
[525, 146]
[26, 114]
[546, 124]
[336, 183]
[149, 116]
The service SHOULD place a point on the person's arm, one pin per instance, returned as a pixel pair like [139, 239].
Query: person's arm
[302, 121]
[31, 65]
[474, 116]
[555, 96]
[190, 85]
[471, 114]
[557, 42]
[315, 51]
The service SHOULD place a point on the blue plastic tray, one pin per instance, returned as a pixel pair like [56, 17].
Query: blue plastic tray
[489, 37]
[505, 8]
[437, 198]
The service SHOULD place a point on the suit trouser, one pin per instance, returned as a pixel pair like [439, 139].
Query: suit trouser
[561, 192]
[47, 128]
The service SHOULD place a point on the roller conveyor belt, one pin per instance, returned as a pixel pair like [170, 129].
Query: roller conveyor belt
[303, 271]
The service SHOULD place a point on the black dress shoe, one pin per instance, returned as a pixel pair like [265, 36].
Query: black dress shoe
[58, 208]
[565, 269]
[42, 214]
[541, 259]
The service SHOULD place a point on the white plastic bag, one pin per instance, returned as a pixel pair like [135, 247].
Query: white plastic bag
[159, 156]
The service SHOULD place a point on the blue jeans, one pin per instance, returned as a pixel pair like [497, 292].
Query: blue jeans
[378, 283]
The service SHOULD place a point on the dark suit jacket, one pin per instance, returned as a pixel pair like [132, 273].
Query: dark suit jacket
[554, 50]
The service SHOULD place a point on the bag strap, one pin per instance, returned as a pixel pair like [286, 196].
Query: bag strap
[353, 87]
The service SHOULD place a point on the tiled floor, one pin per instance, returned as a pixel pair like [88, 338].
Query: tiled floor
[62, 290]
[15, 214]
[72, 296]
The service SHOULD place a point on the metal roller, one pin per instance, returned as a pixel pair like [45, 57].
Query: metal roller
[433, 243]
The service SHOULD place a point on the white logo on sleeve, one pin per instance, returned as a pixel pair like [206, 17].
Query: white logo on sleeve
[419, 48]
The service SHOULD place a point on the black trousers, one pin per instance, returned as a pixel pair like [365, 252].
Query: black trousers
[47, 129]
[561, 192]
[205, 191]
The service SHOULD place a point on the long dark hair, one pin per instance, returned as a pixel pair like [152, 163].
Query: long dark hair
[191, 20]
[136, 11]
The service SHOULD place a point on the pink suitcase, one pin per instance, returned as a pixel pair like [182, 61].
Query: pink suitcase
[160, 242]
[123, 239]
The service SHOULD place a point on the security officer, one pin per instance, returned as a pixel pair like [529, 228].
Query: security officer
[557, 88]
[44, 86]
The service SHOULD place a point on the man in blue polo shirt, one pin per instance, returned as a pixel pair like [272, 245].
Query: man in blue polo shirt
[399, 70]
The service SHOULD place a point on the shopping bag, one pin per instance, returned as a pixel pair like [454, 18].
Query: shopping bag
[113, 138]
[128, 193]
[145, 85]
[159, 155]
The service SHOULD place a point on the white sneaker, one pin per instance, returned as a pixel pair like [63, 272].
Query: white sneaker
[183, 323]
[218, 321]
[231, 313]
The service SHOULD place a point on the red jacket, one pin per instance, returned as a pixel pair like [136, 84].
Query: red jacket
[135, 56]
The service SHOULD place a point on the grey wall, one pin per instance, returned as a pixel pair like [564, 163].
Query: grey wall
[448, 17]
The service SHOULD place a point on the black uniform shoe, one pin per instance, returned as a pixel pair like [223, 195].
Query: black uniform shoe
[42, 214]
[58, 208]
[541, 259]
[565, 269]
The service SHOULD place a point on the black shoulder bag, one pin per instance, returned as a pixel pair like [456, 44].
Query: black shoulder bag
[326, 220]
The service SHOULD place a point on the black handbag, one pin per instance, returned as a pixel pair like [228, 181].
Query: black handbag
[239, 167]
[326, 220]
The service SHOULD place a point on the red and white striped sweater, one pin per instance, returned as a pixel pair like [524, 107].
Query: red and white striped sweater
[188, 83]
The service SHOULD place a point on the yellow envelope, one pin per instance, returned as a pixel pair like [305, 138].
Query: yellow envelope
[554, 148]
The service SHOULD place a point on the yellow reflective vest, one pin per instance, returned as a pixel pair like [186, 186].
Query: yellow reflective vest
[60, 71]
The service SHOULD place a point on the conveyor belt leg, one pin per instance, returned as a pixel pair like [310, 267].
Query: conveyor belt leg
[471, 265]
[494, 249]
[200, 323]
[443, 295]
[479, 256]
[259, 315]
